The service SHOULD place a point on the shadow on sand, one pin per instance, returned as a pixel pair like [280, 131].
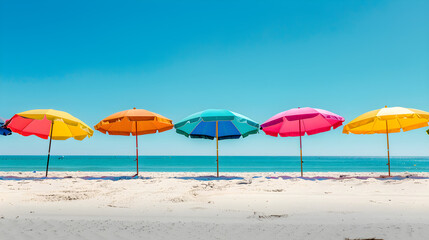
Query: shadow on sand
[319, 178]
[210, 178]
[111, 178]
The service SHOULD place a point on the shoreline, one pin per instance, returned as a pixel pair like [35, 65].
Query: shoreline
[210, 174]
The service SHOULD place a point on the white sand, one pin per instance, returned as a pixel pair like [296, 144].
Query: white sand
[254, 208]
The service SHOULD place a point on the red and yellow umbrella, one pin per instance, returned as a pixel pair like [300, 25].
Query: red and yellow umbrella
[49, 123]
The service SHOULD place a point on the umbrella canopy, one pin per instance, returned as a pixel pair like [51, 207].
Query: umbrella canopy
[388, 120]
[3, 130]
[49, 123]
[38, 122]
[134, 122]
[300, 121]
[216, 123]
[231, 125]
[396, 118]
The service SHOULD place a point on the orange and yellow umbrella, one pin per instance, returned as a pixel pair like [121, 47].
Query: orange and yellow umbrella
[134, 122]
[388, 120]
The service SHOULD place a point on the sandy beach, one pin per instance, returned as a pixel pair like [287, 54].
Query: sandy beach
[171, 205]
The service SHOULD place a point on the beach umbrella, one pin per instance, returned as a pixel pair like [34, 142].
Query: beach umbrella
[388, 120]
[134, 122]
[3, 130]
[299, 121]
[216, 123]
[49, 123]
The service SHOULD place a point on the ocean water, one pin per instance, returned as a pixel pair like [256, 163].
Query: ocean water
[208, 164]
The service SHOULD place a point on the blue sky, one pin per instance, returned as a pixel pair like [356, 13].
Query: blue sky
[175, 58]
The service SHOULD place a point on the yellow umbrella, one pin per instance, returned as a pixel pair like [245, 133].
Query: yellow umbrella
[388, 120]
[49, 123]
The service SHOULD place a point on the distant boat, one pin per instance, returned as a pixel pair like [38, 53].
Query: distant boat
[61, 157]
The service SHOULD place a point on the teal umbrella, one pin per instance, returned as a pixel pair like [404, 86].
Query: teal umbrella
[216, 123]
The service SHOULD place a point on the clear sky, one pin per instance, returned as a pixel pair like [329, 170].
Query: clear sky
[257, 58]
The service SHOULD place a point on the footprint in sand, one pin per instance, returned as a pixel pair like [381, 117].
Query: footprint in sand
[262, 216]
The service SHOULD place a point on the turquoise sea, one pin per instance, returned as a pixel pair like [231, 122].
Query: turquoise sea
[208, 163]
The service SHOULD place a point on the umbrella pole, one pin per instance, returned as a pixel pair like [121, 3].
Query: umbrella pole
[137, 152]
[388, 151]
[49, 151]
[300, 146]
[217, 147]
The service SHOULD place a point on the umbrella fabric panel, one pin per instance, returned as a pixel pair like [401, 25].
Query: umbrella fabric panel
[27, 126]
[334, 119]
[192, 119]
[273, 130]
[362, 120]
[291, 129]
[207, 130]
[235, 129]
[217, 115]
[188, 127]
[245, 125]
[243, 119]
[319, 124]
[127, 127]
[245, 129]
[310, 126]
[301, 114]
[209, 115]
[136, 115]
[396, 112]
[63, 131]
[291, 115]
[204, 130]
[420, 113]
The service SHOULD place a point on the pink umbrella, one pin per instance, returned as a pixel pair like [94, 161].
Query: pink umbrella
[298, 121]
